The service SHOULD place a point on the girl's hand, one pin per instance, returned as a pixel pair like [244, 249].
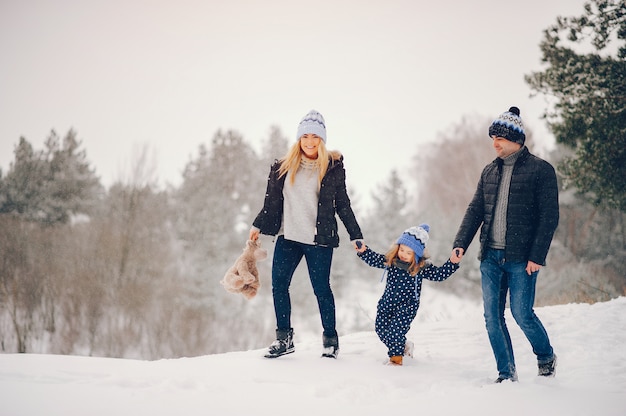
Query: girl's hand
[254, 234]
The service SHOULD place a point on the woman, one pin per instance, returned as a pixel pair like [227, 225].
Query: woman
[305, 189]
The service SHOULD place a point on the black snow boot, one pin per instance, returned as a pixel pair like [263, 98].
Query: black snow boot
[331, 346]
[512, 378]
[283, 344]
[548, 369]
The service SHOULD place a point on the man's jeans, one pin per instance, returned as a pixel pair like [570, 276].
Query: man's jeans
[498, 278]
[287, 256]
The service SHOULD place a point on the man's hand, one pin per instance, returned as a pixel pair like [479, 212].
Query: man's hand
[532, 267]
[457, 255]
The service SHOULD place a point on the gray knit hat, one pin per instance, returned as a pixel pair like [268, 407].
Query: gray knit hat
[415, 238]
[509, 126]
[312, 123]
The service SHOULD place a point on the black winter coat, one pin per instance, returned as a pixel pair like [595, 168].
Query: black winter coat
[333, 200]
[533, 209]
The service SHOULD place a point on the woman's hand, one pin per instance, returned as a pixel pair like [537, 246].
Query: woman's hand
[359, 246]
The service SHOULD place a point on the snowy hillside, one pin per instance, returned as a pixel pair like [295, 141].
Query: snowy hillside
[450, 375]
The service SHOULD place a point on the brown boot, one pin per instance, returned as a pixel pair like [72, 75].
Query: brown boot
[395, 360]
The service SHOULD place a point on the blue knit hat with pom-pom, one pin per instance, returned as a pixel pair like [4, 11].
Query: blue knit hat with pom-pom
[509, 125]
[415, 238]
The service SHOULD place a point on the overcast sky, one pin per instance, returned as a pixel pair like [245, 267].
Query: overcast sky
[388, 75]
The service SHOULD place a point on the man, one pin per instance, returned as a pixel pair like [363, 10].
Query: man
[516, 202]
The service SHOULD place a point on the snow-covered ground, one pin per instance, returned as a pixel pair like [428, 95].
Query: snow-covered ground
[451, 374]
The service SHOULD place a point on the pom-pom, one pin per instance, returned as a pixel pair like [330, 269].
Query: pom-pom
[514, 110]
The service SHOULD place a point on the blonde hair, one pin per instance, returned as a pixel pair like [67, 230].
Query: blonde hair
[415, 266]
[291, 161]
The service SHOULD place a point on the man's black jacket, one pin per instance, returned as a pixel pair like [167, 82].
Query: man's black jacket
[533, 209]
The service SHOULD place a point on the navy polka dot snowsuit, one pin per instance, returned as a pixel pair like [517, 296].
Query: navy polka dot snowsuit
[398, 305]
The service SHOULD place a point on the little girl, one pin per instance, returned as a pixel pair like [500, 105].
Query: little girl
[406, 265]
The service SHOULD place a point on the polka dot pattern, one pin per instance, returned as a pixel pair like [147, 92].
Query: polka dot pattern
[400, 301]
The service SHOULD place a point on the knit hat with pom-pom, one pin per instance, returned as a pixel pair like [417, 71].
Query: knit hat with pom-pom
[312, 123]
[509, 126]
[415, 238]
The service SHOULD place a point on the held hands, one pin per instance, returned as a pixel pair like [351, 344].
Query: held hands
[254, 234]
[359, 246]
[457, 255]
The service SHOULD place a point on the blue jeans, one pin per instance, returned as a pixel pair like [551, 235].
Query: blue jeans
[287, 256]
[498, 278]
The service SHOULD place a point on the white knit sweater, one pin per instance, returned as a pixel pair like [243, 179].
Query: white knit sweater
[300, 204]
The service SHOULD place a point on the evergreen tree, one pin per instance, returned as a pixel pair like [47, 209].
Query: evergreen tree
[389, 215]
[214, 202]
[589, 89]
[234, 173]
[52, 185]
[274, 147]
[23, 186]
[71, 185]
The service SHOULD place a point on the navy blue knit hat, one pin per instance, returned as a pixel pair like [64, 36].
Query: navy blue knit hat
[509, 126]
[415, 238]
[312, 123]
